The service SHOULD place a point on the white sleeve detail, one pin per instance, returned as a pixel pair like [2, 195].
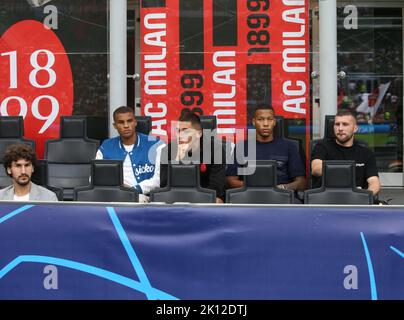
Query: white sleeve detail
[99, 155]
[154, 182]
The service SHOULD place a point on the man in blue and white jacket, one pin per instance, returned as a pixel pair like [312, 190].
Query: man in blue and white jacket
[140, 153]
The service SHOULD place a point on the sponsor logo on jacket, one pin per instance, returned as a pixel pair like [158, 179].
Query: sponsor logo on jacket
[144, 169]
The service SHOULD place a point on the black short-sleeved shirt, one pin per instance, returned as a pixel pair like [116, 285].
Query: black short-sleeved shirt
[364, 158]
[284, 152]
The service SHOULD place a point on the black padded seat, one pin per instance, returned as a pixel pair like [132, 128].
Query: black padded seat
[70, 156]
[338, 186]
[260, 186]
[183, 185]
[106, 184]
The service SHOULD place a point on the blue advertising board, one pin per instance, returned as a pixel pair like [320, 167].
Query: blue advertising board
[93, 251]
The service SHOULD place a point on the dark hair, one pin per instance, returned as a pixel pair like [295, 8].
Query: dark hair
[17, 152]
[263, 107]
[189, 116]
[345, 112]
[121, 110]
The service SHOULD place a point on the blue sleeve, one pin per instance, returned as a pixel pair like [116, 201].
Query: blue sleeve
[296, 166]
[231, 170]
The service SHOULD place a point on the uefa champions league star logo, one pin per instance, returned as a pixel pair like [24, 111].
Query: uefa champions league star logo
[142, 285]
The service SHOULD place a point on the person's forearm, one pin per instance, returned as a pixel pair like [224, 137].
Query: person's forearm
[234, 182]
[374, 184]
[317, 168]
[375, 188]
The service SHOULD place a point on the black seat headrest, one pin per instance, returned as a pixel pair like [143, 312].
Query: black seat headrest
[329, 126]
[279, 129]
[73, 127]
[264, 174]
[183, 175]
[338, 174]
[144, 124]
[106, 172]
[208, 122]
[11, 127]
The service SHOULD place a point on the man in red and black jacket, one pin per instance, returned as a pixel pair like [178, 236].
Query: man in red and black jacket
[189, 148]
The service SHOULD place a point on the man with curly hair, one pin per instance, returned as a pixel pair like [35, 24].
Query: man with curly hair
[19, 162]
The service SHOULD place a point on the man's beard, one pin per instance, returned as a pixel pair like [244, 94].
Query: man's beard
[343, 141]
[23, 183]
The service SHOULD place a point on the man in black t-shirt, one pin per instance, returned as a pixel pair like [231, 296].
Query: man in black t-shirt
[344, 147]
[290, 168]
[188, 147]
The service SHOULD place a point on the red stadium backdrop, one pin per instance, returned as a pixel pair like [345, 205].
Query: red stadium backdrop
[53, 63]
[35, 80]
[222, 58]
